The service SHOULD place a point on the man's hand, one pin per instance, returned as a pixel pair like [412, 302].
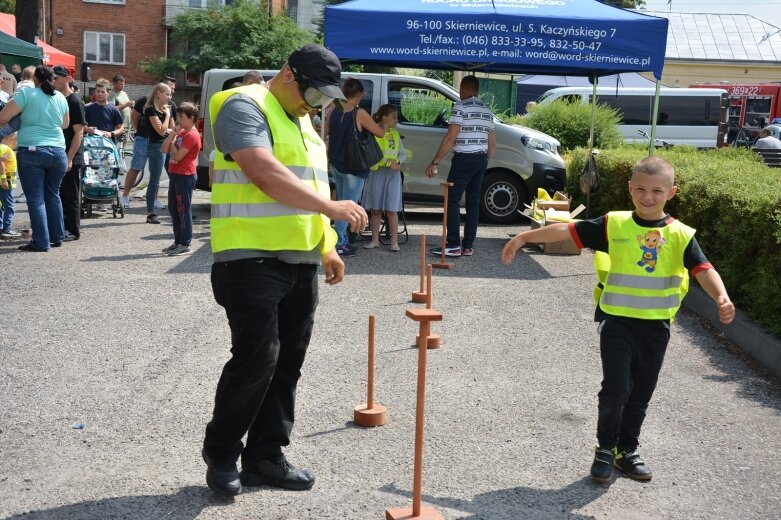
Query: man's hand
[333, 266]
[431, 170]
[4, 183]
[510, 248]
[726, 309]
[347, 210]
[70, 164]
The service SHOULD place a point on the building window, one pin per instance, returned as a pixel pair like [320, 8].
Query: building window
[104, 47]
[105, 1]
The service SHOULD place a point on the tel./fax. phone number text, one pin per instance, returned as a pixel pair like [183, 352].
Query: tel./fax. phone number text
[511, 41]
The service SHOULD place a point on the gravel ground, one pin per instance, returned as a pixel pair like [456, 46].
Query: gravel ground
[109, 332]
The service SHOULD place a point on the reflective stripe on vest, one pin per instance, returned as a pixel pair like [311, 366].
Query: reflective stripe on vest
[390, 145]
[634, 281]
[645, 277]
[246, 218]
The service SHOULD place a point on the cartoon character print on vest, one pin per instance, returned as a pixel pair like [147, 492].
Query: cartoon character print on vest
[651, 245]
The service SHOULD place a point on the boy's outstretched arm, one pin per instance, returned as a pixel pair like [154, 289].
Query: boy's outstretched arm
[551, 233]
[710, 280]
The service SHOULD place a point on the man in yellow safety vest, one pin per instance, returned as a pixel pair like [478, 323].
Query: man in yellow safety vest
[270, 229]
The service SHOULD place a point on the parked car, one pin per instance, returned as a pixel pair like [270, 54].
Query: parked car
[525, 159]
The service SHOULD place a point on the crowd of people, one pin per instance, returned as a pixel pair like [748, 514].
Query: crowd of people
[43, 122]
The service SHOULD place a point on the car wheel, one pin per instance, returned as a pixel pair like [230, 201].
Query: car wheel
[501, 196]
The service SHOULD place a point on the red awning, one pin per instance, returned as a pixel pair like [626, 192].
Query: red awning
[51, 55]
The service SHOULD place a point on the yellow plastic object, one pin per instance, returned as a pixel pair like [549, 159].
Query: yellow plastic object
[542, 194]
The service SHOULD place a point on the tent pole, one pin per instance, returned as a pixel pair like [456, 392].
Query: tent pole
[593, 116]
[653, 121]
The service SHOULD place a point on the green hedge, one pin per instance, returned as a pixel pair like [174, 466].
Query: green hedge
[729, 196]
[570, 123]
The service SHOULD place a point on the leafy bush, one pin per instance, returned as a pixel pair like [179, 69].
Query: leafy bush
[729, 196]
[570, 123]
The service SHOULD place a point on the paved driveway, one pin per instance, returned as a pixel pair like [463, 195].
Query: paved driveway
[109, 332]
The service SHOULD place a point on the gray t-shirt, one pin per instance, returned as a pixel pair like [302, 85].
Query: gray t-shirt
[768, 143]
[241, 124]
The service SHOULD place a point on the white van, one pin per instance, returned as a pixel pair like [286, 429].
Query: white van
[693, 116]
[524, 160]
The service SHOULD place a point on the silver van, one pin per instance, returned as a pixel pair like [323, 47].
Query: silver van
[524, 160]
[691, 116]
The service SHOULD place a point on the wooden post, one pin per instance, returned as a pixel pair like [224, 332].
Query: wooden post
[420, 296]
[424, 317]
[370, 414]
[442, 264]
[433, 340]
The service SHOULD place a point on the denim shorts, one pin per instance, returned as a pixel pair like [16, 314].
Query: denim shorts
[140, 153]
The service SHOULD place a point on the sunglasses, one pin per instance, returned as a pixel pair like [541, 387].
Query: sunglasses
[310, 93]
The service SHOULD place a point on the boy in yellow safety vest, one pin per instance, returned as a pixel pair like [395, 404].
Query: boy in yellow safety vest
[643, 260]
[7, 185]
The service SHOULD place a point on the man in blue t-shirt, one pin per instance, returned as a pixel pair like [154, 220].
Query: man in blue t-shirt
[102, 118]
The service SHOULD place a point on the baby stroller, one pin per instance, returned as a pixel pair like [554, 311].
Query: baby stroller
[102, 166]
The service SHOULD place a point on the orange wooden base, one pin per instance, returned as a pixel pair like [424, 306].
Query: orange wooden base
[405, 513]
[432, 341]
[419, 297]
[377, 415]
[442, 265]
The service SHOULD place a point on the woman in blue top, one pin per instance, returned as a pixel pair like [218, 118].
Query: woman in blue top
[339, 129]
[40, 157]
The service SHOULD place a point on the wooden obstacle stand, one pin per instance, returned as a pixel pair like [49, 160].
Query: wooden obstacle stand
[433, 340]
[370, 413]
[442, 264]
[421, 296]
[424, 317]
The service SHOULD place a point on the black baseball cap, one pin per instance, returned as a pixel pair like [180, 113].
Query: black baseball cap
[320, 66]
[61, 71]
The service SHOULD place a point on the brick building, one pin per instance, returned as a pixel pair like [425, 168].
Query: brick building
[115, 35]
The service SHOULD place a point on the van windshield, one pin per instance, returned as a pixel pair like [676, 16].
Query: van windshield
[545, 96]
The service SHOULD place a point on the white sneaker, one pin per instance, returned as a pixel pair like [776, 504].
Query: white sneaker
[125, 201]
[159, 205]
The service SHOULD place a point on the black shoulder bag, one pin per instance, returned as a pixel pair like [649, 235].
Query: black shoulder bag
[363, 151]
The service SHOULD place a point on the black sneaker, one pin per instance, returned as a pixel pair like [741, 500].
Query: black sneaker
[278, 474]
[152, 219]
[346, 251]
[602, 467]
[630, 463]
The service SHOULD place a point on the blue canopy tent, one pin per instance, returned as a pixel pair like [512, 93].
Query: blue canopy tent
[562, 37]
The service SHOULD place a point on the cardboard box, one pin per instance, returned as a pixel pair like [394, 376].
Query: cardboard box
[564, 247]
[560, 202]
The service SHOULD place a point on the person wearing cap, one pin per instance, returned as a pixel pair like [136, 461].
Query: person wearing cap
[270, 229]
[767, 141]
[71, 182]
